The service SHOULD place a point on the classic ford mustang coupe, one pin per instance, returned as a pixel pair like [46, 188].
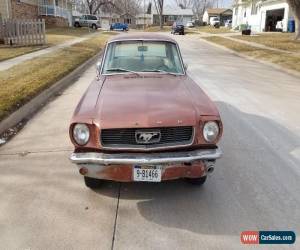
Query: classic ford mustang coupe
[143, 118]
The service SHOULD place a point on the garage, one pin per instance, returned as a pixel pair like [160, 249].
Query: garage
[272, 17]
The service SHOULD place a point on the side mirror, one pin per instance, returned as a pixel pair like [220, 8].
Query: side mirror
[98, 67]
[185, 66]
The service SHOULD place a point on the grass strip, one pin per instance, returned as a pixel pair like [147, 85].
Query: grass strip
[282, 59]
[8, 52]
[54, 36]
[22, 82]
[284, 41]
[213, 30]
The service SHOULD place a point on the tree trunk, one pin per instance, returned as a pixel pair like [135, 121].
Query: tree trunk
[91, 9]
[161, 14]
[297, 28]
[295, 8]
[159, 5]
[161, 21]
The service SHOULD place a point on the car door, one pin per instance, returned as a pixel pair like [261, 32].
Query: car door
[83, 21]
[90, 20]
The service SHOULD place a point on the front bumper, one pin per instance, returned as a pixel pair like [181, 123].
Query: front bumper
[119, 166]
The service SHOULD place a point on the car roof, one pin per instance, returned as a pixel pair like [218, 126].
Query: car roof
[142, 36]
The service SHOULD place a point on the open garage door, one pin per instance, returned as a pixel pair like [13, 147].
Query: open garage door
[272, 17]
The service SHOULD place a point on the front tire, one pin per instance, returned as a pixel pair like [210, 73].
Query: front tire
[94, 26]
[196, 181]
[92, 183]
[77, 25]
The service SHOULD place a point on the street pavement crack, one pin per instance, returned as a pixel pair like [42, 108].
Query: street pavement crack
[116, 217]
[25, 152]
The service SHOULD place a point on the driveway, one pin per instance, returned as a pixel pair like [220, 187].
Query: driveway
[45, 205]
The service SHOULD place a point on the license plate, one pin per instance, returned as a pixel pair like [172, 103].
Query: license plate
[147, 173]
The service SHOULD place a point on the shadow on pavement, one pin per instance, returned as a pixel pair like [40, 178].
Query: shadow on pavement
[254, 187]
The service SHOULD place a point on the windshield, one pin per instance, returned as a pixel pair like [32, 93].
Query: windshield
[142, 56]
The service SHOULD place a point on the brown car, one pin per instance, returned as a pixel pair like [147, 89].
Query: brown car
[143, 118]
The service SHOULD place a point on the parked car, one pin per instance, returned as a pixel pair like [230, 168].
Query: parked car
[143, 118]
[177, 27]
[228, 24]
[190, 24]
[119, 26]
[215, 21]
[87, 21]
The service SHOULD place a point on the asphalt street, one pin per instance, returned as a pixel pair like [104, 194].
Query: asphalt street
[255, 186]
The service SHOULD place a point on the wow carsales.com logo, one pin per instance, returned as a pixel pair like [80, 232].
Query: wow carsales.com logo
[268, 237]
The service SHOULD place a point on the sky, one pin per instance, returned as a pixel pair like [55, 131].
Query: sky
[221, 3]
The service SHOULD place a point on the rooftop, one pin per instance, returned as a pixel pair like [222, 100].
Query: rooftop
[142, 36]
[217, 10]
[174, 11]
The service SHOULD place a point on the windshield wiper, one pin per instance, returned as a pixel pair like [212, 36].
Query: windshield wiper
[123, 70]
[161, 71]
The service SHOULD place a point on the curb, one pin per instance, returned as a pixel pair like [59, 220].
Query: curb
[34, 105]
[276, 66]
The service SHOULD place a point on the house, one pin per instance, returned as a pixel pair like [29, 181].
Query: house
[108, 18]
[152, 18]
[129, 19]
[55, 12]
[222, 14]
[171, 14]
[261, 15]
[143, 20]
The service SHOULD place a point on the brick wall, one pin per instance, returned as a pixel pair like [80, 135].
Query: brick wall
[22, 10]
[55, 21]
[4, 9]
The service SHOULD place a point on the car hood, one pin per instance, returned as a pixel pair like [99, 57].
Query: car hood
[150, 101]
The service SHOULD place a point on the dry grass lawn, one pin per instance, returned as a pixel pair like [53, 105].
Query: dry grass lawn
[195, 30]
[54, 36]
[59, 35]
[212, 30]
[24, 81]
[284, 41]
[282, 59]
[8, 52]
[157, 29]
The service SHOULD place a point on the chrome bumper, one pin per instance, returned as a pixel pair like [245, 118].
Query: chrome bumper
[146, 158]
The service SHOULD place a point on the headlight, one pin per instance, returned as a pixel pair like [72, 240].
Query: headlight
[81, 134]
[210, 131]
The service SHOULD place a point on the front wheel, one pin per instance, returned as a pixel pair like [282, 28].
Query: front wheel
[92, 183]
[196, 181]
[94, 26]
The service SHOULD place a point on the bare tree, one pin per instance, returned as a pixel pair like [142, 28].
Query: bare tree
[295, 7]
[159, 5]
[132, 7]
[199, 7]
[95, 5]
[185, 4]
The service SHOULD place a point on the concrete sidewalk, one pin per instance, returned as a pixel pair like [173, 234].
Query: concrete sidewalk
[19, 59]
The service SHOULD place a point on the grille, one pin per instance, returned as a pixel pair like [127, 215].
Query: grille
[126, 138]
